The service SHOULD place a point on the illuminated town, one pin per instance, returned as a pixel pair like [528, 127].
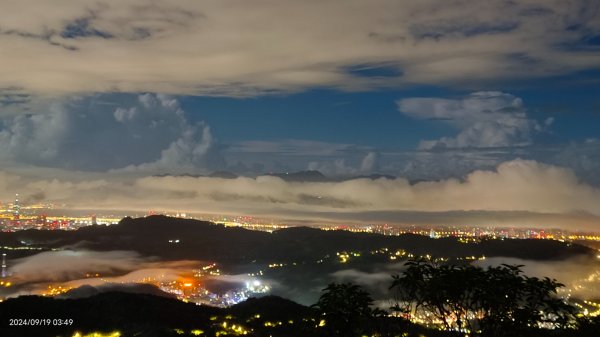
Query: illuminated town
[190, 285]
[187, 288]
[193, 285]
[16, 216]
[300, 168]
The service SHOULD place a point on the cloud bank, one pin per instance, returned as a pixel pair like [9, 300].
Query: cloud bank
[525, 192]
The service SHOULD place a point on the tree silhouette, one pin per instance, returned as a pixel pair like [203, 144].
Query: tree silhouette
[345, 309]
[497, 301]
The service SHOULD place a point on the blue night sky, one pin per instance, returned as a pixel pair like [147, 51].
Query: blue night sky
[366, 118]
[372, 118]
[428, 90]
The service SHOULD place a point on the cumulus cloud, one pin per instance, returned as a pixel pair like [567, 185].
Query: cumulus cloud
[484, 119]
[227, 48]
[341, 167]
[582, 157]
[148, 133]
[370, 162]
[425, 165]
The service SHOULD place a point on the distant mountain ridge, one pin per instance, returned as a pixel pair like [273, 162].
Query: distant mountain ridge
[297, 176]
[302, 176]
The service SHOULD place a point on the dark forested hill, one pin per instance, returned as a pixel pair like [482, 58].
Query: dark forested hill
[127, 315]
[207, 241]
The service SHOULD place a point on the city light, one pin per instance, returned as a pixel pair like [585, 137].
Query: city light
[98, 334]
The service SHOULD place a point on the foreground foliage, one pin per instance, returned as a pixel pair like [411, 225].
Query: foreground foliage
[496, 301]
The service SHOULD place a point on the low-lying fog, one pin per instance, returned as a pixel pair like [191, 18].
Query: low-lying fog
[303, 283]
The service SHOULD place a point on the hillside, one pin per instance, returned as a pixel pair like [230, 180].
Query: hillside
[231, 245]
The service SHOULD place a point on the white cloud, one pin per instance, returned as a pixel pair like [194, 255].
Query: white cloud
[485, 119]
[150, 134]
[68, 264]
[524, 192]
[237, 48]
[35, 273]
[370, 163]
[345, 166]
[193, 152]
[122, 115]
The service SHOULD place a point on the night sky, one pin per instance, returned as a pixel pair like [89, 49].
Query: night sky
[476, 106]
